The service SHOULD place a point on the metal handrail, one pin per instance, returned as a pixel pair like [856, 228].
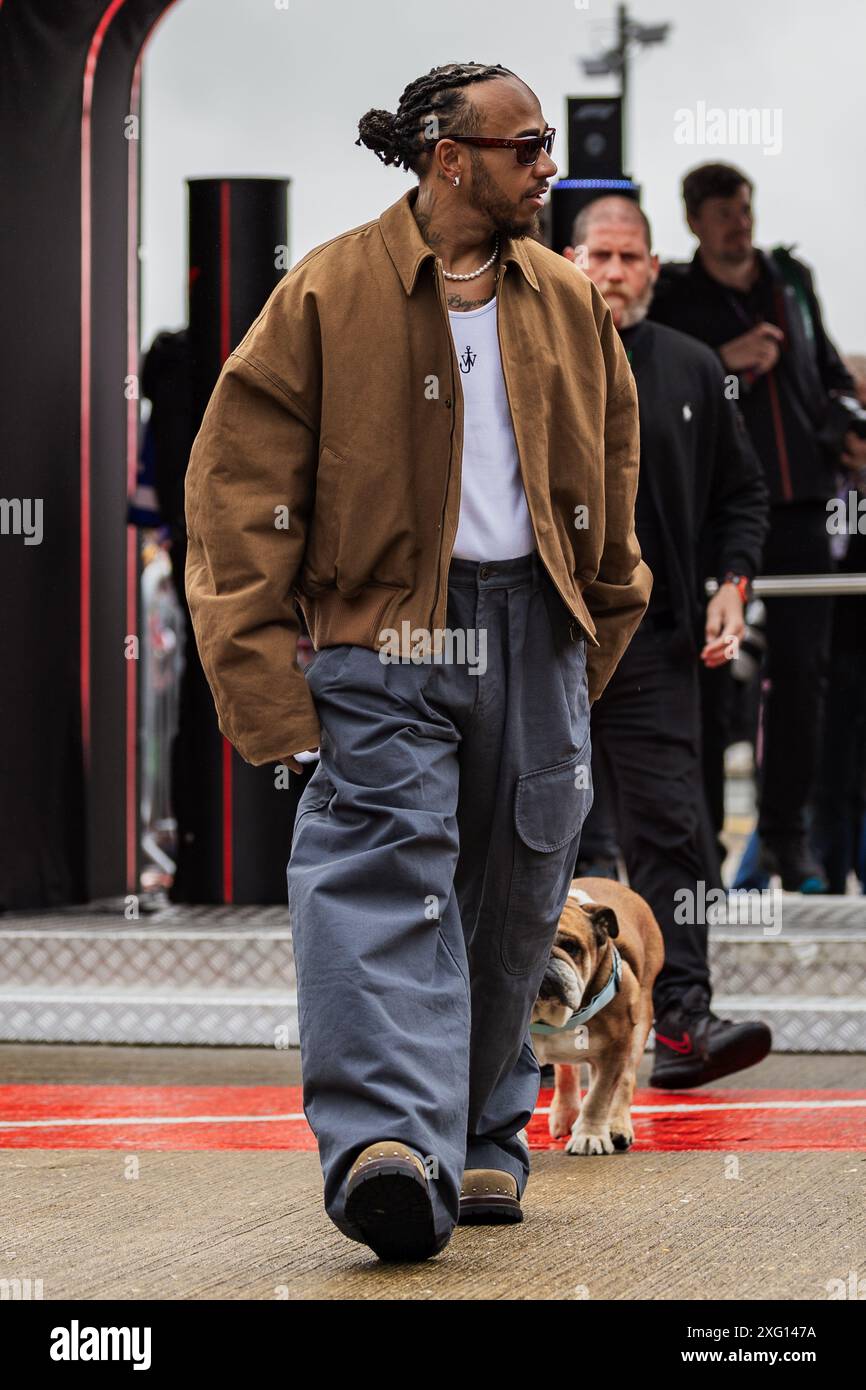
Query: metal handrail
[802, 585]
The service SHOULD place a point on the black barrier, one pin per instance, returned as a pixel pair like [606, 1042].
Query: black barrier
[234, 821]
[69, 170]
[69, 563]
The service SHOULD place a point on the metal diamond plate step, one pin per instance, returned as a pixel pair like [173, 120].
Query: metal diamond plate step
[803, 1024]
[205, 1018]
[157, 957]
[806, 964]
[823, 912]
[224, 975]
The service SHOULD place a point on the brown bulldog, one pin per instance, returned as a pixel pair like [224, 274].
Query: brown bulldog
[595, 1005]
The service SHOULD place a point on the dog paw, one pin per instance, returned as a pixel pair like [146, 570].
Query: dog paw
[622, 1139]
[561, 1121]
[620, 1127]
[580, 1143]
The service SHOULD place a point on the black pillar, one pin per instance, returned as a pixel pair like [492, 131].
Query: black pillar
[234, 822]
[69, 172]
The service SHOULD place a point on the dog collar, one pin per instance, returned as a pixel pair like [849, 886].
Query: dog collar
[595, 1005]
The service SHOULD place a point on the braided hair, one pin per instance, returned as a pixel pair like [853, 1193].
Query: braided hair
[435, 102]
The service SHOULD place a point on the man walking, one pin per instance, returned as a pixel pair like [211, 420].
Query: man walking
[701, 510]
[443, 409]
[761, 315]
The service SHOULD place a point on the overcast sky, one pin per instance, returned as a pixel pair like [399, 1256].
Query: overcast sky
[246, 88]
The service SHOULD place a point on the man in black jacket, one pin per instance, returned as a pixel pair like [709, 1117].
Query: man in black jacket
[701, 510]
[761, 316]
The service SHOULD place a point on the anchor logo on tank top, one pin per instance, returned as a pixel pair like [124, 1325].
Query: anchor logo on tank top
[469, 357]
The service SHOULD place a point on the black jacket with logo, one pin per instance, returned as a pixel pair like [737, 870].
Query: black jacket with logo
[784, 408]
[704, 478]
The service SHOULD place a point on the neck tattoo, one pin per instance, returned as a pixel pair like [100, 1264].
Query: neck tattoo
[458, 302]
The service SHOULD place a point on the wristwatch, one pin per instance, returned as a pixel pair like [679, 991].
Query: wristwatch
[741, 583]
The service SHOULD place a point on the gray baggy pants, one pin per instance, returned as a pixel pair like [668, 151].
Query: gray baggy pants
[431, 858]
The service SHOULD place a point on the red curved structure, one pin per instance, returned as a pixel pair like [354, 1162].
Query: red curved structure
[69, 284]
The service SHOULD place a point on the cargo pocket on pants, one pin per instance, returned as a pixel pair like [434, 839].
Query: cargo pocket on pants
[550, 806]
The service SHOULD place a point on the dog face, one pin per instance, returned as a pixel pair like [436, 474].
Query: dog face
[583, 934]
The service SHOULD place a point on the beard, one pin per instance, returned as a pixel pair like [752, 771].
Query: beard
[486, 197]
[736, 254]
[635, 309]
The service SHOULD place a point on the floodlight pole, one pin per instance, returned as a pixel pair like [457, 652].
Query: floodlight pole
[622, 22]
[616, 59]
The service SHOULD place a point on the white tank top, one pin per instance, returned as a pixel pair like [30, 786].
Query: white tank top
[494, 522]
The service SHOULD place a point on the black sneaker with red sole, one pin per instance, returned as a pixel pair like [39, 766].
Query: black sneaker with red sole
[693, 1045]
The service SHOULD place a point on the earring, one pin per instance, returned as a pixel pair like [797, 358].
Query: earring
[456, 180]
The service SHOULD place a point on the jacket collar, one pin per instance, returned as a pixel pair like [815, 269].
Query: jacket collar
[699, 271]
[408, 249]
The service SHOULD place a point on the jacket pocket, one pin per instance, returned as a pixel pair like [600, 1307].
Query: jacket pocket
[550, 807]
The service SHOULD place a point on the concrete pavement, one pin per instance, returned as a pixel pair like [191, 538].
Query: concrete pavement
[250, 1225]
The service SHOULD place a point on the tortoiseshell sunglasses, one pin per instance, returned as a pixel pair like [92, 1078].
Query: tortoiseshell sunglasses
[526, 147]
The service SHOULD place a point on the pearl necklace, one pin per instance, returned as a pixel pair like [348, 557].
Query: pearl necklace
[473, 274]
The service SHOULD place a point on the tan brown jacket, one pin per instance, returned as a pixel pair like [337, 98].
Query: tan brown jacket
[327, 467]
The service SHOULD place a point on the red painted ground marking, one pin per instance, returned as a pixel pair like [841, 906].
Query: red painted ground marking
[153, 1117]
[271, 1117]
[731, 1121]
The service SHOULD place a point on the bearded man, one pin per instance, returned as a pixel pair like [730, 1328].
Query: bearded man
[443, 409]
[701, 512]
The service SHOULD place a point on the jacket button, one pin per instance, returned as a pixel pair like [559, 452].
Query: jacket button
[448, 400]
[574, 631]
